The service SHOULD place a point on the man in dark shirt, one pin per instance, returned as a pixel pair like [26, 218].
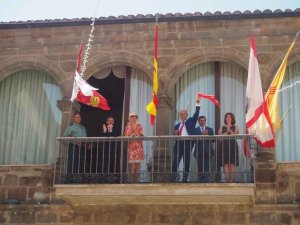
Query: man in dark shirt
[76, 150]
[109, 153]
[203, 150]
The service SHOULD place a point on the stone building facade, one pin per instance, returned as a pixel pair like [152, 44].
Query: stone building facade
[184, 41]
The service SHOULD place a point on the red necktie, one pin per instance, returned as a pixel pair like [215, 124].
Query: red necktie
[181, 128]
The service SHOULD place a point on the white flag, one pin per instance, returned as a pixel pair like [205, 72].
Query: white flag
[258, 120]
[82, 85]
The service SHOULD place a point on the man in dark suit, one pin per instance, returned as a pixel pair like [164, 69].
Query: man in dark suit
[108, 153]
[203, 150]
[183, 148]
[108, 129]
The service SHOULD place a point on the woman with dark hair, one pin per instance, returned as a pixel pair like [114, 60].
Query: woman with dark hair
[229, 147]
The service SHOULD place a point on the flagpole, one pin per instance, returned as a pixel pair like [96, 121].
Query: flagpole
[77, 67]
[296, 36]
[286, 113]
[283, 117]
[154, 127]
[253, 25]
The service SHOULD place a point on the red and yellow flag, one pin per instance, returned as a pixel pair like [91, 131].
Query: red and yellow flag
[94, 100]
[271, 96]
[152, 106]
[85, 93]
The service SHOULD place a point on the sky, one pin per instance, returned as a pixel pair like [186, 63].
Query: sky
[23, 10]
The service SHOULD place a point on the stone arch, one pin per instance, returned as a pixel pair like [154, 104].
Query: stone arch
[102, 61]
[15, 64]
[195, 57]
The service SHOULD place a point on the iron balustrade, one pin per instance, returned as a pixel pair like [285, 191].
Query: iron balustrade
[168, 159]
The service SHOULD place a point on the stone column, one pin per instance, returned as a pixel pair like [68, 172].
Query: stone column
[161, 165]
[265, 165]
[163, 115]
[265, 176]
[68, 109]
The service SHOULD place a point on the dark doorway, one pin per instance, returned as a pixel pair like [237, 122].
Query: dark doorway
[112, 88]
[104, 159]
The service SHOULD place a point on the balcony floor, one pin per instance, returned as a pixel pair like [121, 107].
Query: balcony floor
[116, 194]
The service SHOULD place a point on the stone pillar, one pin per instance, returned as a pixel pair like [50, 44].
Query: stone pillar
[163, 115]
[68, 109]
[265, 176]
[161, 165]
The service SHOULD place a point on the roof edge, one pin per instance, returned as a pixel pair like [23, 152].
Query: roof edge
[149, 18]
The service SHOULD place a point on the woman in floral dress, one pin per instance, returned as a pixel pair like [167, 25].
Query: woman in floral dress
[135, 147]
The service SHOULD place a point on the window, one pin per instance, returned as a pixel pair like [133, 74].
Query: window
[29, 118]
[288, 141]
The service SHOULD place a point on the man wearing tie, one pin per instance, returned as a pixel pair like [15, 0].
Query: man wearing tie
[203, 150]
[183, 148]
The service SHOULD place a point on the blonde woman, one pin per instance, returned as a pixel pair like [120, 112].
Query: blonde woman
[135, 147]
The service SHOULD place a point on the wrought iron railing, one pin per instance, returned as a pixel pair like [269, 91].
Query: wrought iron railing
[168, 159]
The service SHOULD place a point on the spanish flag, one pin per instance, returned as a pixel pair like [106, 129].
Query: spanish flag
[152, 106]
[271, 96]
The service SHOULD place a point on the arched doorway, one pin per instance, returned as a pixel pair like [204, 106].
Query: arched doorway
[227, 82]
[127, 89]
[112, 88]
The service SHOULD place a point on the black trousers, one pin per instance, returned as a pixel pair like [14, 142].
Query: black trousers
[106, 161]
[203, 161]
[182, 149]
[76, 159]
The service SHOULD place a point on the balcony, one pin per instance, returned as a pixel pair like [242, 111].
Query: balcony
[95, 170]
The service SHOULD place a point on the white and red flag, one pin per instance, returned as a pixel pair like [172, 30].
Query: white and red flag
[85, 93]
[258, 120]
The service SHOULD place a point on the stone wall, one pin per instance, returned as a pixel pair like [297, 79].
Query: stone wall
[152, 214]
[22, 182]
[288, 183]
[182, 44]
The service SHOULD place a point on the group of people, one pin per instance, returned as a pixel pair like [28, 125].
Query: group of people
[226, 150]
[104, 161]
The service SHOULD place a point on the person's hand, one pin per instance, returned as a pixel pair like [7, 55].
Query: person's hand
[205, 132]
[176, 132]
[109, 127]
[135, 128]
[198, 99]
[104, 128]
[228, 129]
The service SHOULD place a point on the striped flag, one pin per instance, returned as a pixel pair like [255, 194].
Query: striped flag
[258, 120]
[272, 93]
[152, 106]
